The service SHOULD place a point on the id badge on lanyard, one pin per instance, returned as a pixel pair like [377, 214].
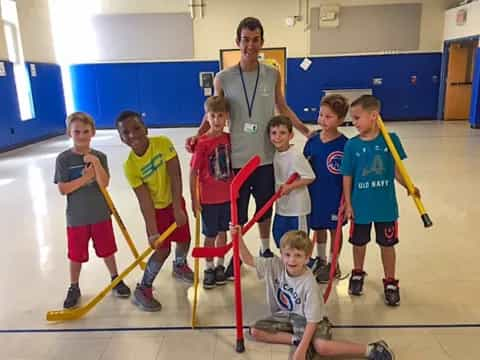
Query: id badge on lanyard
[250, 127]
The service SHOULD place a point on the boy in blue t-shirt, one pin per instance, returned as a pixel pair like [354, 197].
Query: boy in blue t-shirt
[369, 172]
[325, 153]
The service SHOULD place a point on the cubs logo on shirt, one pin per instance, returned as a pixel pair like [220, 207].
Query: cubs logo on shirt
[285, 299]
[334, 162]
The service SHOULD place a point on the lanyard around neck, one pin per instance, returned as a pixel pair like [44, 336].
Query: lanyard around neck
[249, 103]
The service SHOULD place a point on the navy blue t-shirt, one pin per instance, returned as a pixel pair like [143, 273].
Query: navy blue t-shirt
[326, 190]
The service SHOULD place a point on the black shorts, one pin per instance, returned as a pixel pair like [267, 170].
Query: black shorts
[215, 218]
[261, 184]
[385, 232]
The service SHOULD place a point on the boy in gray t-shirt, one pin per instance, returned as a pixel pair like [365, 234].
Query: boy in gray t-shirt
[296, 306]
[79, 172]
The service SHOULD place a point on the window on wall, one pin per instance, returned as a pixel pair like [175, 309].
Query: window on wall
[15, 55]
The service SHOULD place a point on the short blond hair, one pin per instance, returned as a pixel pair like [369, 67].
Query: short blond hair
[82, 117]
[296, 239]
[217, 103]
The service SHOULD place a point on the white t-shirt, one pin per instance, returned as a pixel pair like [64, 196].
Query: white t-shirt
[285, 164]
[287, 294]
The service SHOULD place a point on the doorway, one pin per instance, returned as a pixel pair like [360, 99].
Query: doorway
[459, 78]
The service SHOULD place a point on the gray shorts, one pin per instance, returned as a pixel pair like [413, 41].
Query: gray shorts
[295, 324]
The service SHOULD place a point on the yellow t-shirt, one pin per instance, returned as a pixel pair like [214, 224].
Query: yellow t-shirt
[151, 169]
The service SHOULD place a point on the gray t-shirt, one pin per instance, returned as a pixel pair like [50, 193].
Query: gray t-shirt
[249, 134]
[287, 294]
[86, 205]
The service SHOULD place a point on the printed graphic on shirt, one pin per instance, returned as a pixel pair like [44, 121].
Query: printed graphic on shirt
[287, 297]
[77, 171]
[334, 162]
[152, 166]
[220, 164]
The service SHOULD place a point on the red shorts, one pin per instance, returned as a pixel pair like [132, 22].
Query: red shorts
[165, 218]
[103, 240]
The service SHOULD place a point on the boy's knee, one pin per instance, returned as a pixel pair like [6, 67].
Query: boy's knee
[161, 254]
[256, 333]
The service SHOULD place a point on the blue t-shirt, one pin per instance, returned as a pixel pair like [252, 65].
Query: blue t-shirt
[326, 190]
[372, 167]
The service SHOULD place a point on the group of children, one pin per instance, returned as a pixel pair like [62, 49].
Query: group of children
[361, 168]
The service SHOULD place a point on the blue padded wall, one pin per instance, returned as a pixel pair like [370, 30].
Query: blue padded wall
[475, 103]
[49, 103]
[169, 93]
[401, 100]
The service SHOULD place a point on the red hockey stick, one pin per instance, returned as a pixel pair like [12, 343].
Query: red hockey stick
[235, 186]
[336, 249]
[204, 252]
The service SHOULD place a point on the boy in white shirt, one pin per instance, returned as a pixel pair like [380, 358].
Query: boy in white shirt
[292, 210]
[296, 306]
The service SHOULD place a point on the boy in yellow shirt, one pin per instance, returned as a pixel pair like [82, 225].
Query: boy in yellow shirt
[153, 171]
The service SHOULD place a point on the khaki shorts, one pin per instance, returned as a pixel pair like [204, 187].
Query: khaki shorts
[295, 324]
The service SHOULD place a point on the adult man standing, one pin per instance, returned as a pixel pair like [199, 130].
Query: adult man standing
[254, 92]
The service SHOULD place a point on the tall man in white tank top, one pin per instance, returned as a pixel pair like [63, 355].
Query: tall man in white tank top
[254, 92]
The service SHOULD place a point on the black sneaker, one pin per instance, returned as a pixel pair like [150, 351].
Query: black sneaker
[220, 278]
[355, 285]
[73, 296]
[323, 273]
[267, 253]
[209, 279]
[318, 262]
[229, 272]
[392, 292]
[380, 351]
[121, 290]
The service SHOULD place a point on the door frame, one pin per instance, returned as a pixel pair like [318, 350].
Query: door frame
[444, 70]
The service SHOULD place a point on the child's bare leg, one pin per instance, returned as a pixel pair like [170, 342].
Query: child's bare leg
[333, 234]
[273, 338]
[359, 256]
[221, 240]
[264, 231]
[339, 348]
[181, 251]
[209, 242]
[111, 265]
[388, 259]
[154, 264]
[75, 268]
[321, 236]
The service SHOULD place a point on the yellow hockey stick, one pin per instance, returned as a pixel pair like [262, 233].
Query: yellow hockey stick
[121, 225]
[59, 315]
[196, 265]
[427, 222]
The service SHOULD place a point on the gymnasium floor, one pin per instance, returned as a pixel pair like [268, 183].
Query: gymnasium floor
[439, 317]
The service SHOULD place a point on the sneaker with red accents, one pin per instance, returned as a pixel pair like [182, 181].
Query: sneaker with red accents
[182, 271]
[392, 292]
[355, 284]
[143, 298]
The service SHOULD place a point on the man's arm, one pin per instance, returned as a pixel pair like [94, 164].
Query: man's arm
[283, 108]
[173, 170]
